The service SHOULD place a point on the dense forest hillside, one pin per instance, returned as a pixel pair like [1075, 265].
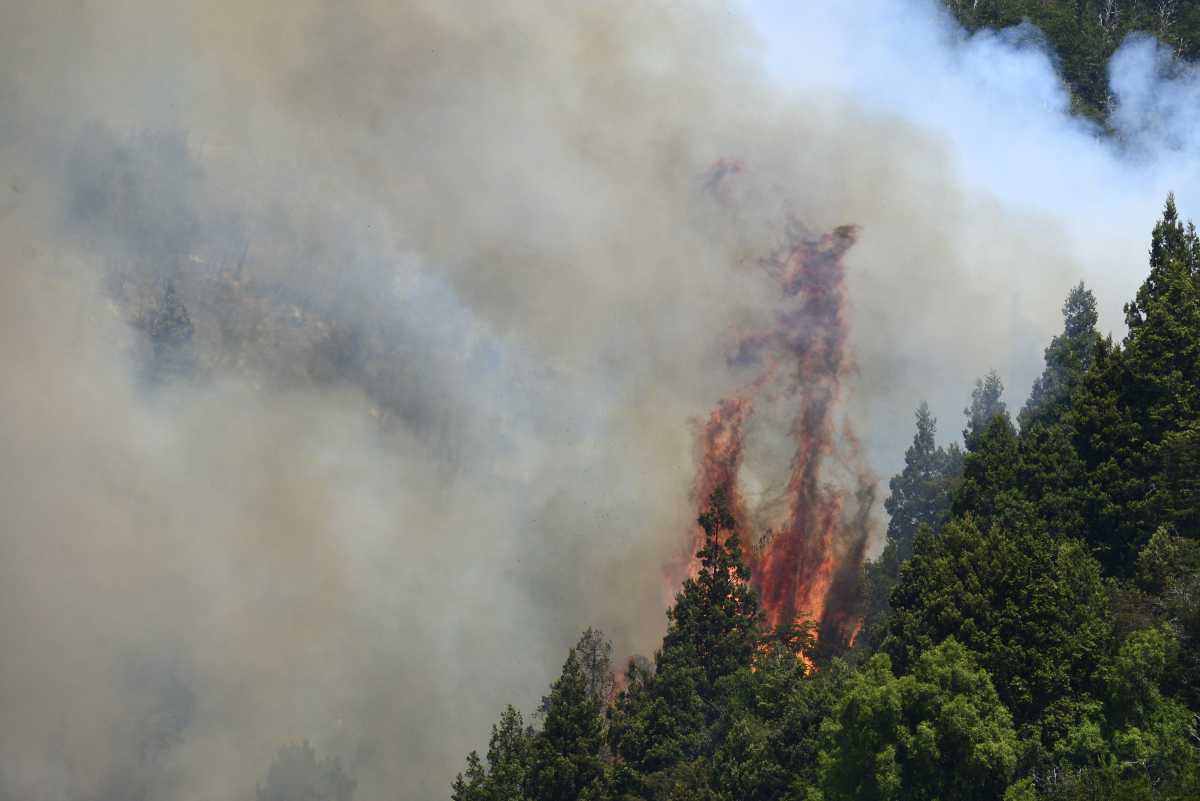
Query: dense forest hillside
[1033, 624]
[360, 355]
[1084, 34]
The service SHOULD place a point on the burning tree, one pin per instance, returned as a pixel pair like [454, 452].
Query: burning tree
[807, 564]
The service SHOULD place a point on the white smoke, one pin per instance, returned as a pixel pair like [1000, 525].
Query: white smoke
[1000, 114]
[457, 286]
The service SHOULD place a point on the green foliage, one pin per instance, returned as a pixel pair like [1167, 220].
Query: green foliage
[920, 497]
[939, 732]
[662, 722]
[920, 494]
[1168, 571]
[715, 621]
[508, 758]
[1052, 477]
[1037, 609]
[986, 406]
[1068, 358]
[1032, 609]
[1136, 414]
[564, 759]
[1083, 34]
[773, 733]
[990, 470]
[470, 785]
[659, 720]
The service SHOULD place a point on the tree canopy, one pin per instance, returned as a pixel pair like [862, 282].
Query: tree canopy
[1032, 625]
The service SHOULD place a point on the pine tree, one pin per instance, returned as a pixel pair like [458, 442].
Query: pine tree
[661, 725]
[565, 755]
[986, 405]
[1033, 609]
[920, 497]
[1139, 402]
[595, 655]
[715, 619]
[1069, 356]
[989, 483]
[508, 758]
[471, 785]
[920, 494]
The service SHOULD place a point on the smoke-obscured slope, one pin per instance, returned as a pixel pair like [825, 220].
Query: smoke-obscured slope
[455, 288]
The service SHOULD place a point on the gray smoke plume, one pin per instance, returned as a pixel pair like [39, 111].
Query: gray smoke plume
[350, 347]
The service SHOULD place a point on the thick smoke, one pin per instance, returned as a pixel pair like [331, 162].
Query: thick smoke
[1013, 162]
[453, 289]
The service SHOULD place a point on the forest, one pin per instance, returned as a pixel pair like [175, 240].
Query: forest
[1084, 34]
[1032, 627]
[544, 401]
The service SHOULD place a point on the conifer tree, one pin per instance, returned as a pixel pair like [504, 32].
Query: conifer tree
[1139, 402]
[565, 754]
[986, 405]
[920, 493]
[1068, 357]
[715, 619]
[471, 784]
[1033, 609]
[661, 725]
[920, 497]
[989, 483]
[508, 758]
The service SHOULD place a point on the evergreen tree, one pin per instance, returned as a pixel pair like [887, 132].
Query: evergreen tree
[986, 405]
[1163, 345]
[661, 725]
[1053, 478]
[565, 756]
[775, 711]
[920, 493]
[1138, 404]
[920, 496]
[1083, 35]
[659, 720]
[508, 758]
[1168, 570]
[989, 487]
[1010, 667]
[595, 656]
[470, 785]
[715, 620]
[1033, 609]
[1068, 357]
[1178, 503]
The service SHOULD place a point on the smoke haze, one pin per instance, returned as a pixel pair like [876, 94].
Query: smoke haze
[456, 287]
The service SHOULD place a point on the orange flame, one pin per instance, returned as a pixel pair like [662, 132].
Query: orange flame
[806, 568]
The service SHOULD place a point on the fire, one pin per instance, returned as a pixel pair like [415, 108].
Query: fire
[806, 567]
